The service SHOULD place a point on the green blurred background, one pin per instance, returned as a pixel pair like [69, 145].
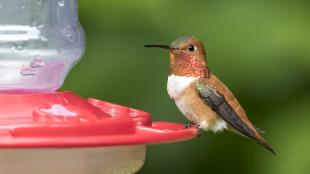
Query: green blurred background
[260, 49]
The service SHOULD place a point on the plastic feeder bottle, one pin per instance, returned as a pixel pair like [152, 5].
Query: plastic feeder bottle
[44, 131]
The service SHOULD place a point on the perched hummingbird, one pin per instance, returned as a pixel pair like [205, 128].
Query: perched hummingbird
[203, 99]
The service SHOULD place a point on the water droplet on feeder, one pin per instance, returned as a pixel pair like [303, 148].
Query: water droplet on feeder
[40, 26]
[13, 47]
[59, 110]
[69, 34]
[41, 2]
[43, 38]
[20, 46]
[37, 62]
[61, 3]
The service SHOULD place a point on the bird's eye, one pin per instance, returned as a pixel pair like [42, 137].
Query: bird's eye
[191, 48]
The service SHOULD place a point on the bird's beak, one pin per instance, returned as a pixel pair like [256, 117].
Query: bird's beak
[161, 46]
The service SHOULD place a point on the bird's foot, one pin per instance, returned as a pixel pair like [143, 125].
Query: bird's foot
[192, 125]
[189, 125]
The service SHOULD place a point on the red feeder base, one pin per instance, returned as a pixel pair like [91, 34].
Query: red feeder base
[63, 119]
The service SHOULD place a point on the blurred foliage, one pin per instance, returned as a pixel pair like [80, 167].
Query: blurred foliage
[260, 49]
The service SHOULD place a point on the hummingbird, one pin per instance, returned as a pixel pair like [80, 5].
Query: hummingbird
[201, 97]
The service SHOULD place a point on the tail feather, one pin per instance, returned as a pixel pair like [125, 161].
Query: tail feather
[260, 140]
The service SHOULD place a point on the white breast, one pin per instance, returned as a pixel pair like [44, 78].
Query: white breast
[177, 84]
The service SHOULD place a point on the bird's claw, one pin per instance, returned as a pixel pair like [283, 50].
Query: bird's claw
[188, 125]
[192, 125]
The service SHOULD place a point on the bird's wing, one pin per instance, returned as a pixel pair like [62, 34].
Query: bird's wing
[217, 102]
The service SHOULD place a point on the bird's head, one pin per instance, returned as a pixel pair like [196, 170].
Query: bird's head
[187, 57]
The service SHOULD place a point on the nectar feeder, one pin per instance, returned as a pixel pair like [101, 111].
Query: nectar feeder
[45, 131]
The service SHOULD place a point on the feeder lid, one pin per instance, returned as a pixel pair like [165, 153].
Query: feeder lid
[63, 119]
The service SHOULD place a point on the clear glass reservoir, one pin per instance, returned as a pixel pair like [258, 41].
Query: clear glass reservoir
[40, 41]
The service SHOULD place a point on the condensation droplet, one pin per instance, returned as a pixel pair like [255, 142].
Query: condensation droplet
[40, 2]
[27, 71]
[37, 62]
[61, 3]
[13, 47]
[40, 26]
[69, 34]
[20, 46]
[59, 110]
[43, 38]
